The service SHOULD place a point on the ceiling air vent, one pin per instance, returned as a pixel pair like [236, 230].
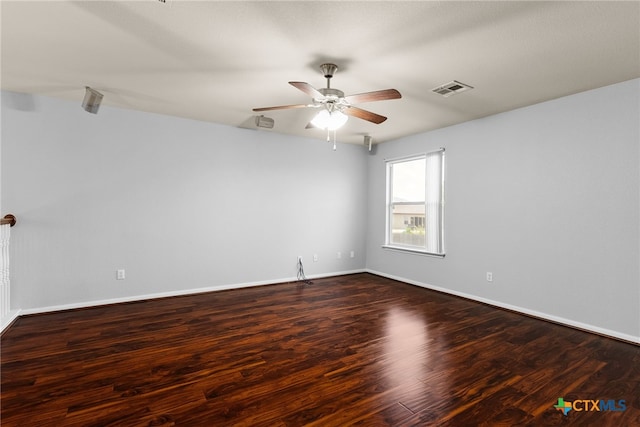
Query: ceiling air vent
[451, 88]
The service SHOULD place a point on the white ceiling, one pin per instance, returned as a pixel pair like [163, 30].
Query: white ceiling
[215, 61]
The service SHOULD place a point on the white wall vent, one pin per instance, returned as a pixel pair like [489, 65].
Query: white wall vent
[451, 88]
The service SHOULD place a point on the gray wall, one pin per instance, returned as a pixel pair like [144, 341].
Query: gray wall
[547, 198]
[180, 205]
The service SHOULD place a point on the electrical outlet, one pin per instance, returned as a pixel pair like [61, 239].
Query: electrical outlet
[489, 276]
[352, 254]
[299, 258]
[315, 257]
[120, 275]
[339, 255]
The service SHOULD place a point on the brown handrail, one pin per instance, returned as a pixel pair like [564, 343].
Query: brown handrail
[8, 219]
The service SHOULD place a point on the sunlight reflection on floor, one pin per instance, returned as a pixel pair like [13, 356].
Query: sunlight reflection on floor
[411, 355]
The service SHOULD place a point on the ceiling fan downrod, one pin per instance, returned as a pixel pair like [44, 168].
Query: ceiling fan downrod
[328, 70]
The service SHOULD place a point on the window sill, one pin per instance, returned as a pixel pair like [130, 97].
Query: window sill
[412, 251]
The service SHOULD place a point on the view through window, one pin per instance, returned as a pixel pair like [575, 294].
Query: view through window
[415, 202]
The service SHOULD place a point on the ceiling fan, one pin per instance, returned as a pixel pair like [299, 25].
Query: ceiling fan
[335, 106]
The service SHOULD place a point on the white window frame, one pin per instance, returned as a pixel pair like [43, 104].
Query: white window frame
[433, 200]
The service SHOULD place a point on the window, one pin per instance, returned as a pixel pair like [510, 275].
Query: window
[415, 203]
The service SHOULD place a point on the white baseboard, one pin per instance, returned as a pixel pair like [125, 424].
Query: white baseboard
[9, 319]
[568, 322]
[96, 303]
[544, 316]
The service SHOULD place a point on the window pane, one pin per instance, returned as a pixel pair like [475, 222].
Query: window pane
[415, 203]
[407, 225]
[408, 181]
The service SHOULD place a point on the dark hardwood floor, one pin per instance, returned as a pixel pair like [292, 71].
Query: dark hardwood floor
[350, 350]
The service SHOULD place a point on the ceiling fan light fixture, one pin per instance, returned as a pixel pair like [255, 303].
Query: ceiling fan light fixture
[329, 120]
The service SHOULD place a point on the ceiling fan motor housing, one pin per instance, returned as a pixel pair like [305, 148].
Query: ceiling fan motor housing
[331, 93]
[334, 99]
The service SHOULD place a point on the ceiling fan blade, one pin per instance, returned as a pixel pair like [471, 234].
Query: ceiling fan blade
[308, 89]
[364, 115]
[281, 107]
[378, 95]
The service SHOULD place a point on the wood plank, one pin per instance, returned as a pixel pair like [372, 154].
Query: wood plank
[348, 350]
